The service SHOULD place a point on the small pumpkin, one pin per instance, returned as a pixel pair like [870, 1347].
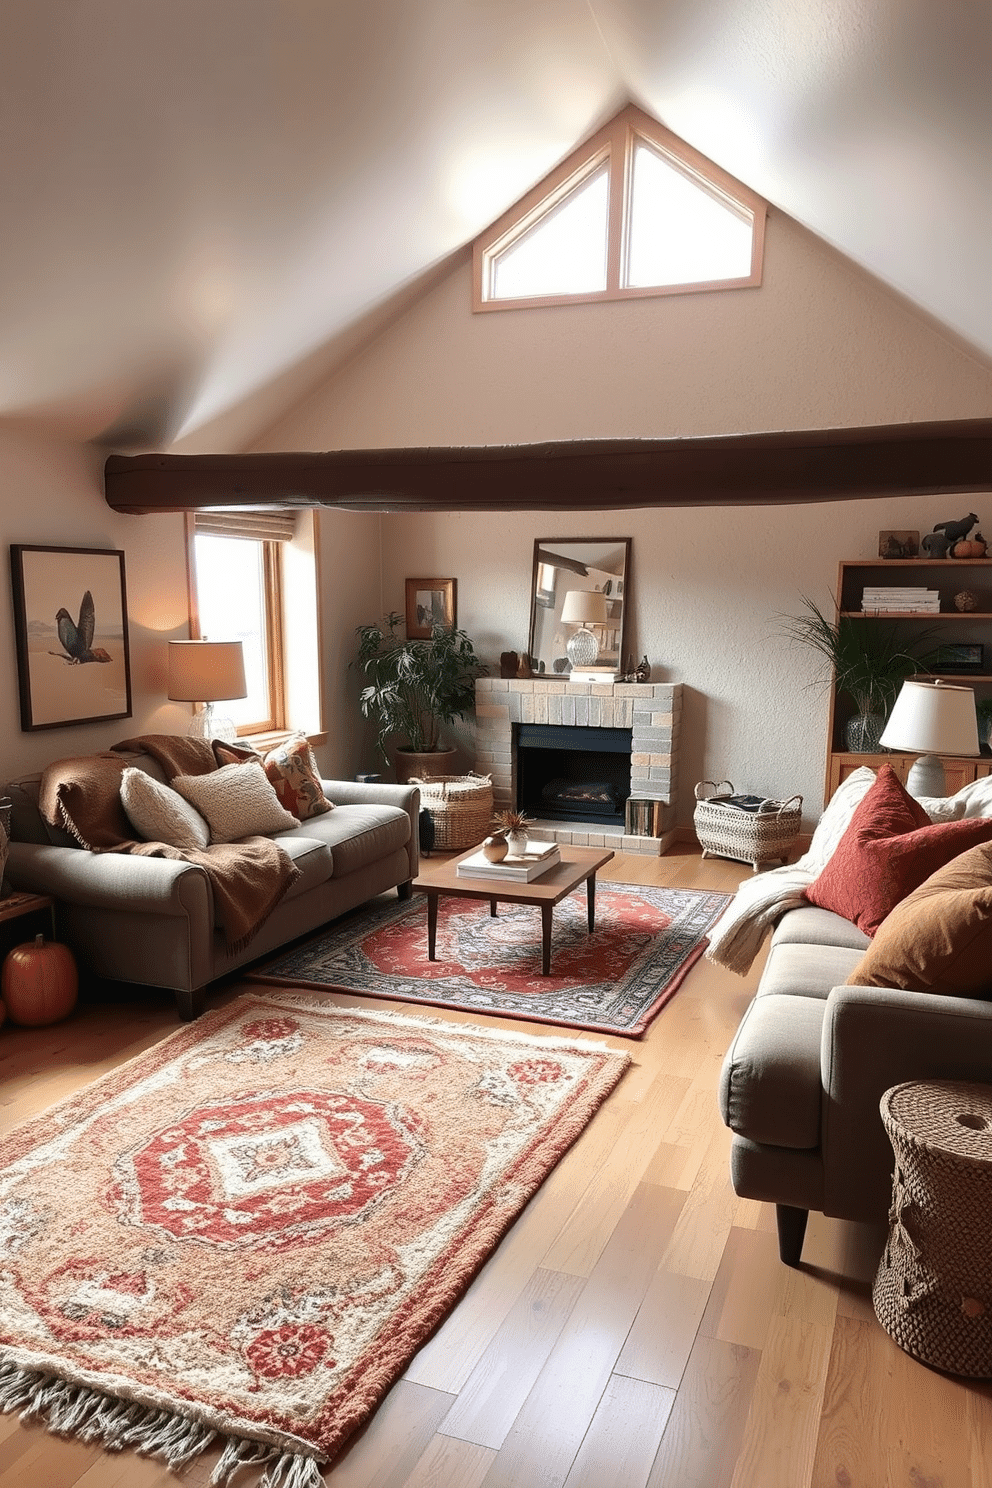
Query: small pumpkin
[969, 547]
[39, 982]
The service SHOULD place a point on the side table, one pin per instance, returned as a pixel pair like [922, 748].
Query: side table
[13, 909]
[933, 1288]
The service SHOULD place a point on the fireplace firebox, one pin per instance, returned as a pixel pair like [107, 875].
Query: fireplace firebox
[573, 774]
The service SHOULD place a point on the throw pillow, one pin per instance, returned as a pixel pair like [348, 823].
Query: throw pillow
[159, 814]
[939, 939]
[238, 801]
[292, 771]
[890, 848]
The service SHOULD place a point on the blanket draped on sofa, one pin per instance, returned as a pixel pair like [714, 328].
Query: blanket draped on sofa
[82, 796]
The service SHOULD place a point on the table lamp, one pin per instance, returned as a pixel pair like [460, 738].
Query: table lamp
[207, 672]
[583, 607]
[937, 718]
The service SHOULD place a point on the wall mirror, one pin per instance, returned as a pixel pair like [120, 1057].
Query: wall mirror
[579, 603]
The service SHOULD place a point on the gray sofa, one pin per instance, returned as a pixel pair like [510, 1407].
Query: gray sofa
[802, 1080]
[151, 920]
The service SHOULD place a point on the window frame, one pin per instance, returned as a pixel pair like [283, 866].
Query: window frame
[615, 143]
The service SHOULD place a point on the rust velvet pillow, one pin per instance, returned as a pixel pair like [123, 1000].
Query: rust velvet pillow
[939, 939]
[889, 849]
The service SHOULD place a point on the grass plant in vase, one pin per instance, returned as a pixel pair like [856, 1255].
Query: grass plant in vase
[514, 824]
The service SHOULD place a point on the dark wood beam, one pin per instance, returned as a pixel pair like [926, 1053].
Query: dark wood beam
[574, 475]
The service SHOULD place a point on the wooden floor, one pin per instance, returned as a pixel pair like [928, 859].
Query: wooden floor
[635, 1329]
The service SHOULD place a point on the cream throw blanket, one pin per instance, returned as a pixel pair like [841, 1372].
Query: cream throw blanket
[737, 936]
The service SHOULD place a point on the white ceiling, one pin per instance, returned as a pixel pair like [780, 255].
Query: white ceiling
[201, 199]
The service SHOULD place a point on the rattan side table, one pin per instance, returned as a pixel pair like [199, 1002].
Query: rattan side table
[933, 1288]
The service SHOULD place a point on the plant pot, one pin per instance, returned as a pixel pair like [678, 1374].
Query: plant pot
[862, 733]
[516, 842]
[408, 763]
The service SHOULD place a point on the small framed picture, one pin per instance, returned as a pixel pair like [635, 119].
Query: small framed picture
[899, 544]
[429, 602]
[964, 656]
[70, 627]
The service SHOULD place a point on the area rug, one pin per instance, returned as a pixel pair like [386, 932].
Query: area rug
[613, 981]
[247, 1231]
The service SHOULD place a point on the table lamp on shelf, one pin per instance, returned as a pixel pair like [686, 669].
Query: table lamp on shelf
[936, 718]
[583, 607]
[207, 672]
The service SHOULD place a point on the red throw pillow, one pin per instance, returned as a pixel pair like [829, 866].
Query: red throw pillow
[889, 849]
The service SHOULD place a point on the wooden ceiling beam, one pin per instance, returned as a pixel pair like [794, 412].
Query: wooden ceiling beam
[573, 475]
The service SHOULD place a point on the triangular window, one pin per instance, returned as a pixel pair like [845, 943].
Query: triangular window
[633, 212]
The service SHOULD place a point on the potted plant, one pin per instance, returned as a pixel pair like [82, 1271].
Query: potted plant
[870, 661]
[414, 688]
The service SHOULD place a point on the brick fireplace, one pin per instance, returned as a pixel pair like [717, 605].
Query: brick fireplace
[652, 711]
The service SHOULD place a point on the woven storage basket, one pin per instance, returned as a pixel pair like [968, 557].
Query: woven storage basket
[755, 837]
[461, 808]
[933, 1288]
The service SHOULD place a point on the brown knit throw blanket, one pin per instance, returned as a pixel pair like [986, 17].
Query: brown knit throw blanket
[82, 796]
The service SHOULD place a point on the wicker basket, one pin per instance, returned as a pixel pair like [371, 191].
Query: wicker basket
[933, 1289]
[460, 806]
[755, 837]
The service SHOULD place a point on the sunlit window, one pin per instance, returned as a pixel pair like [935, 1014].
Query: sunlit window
[231, 598]
[633, 212]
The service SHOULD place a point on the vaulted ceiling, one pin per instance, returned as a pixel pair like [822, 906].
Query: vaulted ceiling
[205, 204]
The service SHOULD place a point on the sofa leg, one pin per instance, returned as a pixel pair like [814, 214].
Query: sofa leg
[791, 1232]
[404, 890]
[190, 1004]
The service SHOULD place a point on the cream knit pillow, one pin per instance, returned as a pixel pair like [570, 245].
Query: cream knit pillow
[159, 814]
[237, 801]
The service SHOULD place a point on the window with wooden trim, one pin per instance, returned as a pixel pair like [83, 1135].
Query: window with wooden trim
[633, 212]
[237, 595]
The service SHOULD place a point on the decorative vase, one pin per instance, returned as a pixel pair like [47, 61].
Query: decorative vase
[495, 848]
[862, 733]
[516, 842]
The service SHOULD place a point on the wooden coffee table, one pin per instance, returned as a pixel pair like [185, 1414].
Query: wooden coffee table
[577, 863]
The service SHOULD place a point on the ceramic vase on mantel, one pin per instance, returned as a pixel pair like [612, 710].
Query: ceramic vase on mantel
[863, 732]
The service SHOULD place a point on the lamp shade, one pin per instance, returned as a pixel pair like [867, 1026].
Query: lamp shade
[206, 671]
[934, 717]
[584, 607]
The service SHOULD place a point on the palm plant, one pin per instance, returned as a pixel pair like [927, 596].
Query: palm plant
[415, 687]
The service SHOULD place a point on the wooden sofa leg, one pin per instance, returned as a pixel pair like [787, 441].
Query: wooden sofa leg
[791, 1232]
[404, 890]
[190, 1004]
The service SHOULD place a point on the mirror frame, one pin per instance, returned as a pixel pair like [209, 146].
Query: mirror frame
[543, 599]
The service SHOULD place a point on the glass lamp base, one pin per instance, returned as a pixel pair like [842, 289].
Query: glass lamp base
[582, 648]
[209, 725]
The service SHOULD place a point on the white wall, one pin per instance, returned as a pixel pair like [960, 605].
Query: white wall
[819, 344]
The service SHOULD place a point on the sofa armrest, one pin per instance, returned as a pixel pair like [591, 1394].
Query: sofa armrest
[362, 793]
[90, 880]
[874, 1038]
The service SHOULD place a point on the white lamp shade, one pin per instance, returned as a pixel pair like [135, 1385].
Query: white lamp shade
[206, 671]
[934, 717]
[584, 607]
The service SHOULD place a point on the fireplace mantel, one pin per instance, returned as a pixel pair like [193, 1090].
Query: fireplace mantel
[652, 710]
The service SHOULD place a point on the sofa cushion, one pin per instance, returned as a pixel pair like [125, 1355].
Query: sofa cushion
[938, 939]
[807, 970]
[293, 774]
[770, 1087]
[359, 835]
[159, 814]
[312, 857]
[889, 849]
[811, 926]
[237, 800]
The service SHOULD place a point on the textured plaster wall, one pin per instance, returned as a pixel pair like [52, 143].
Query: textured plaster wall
[819, 344]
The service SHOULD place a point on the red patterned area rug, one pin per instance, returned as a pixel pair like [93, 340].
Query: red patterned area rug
[248, 1231]
[613, 981]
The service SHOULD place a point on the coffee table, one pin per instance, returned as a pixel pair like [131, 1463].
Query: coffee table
[577, 863]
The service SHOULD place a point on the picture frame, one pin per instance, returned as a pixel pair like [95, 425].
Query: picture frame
[71, 635]
[429, 602]
[961, 656]
[898, 543]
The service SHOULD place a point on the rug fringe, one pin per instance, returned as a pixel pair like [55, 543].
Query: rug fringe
[91, 1416]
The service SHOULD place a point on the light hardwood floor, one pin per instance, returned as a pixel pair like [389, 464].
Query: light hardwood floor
[635, 1328]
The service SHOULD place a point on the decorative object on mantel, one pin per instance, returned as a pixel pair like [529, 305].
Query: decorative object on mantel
[965, 601]
[272, 1210]
[643, 671]
[509, 661]
[612, 981]
[898, 544]
[413, 688]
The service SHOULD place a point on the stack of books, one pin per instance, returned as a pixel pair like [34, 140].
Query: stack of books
[593, 674]
[900, 601]
[518, 867]
[643, 817]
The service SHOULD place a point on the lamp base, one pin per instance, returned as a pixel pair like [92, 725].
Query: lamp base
[926, 777]
[209, 725]
[582, 647]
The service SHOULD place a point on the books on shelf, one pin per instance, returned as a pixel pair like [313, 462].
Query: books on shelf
[900, 600]
[539, 858]
[643, 817]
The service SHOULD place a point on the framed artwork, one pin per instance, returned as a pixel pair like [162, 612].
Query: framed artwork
[898, 544]
[70, 627]
[429, 602]
[962, 656]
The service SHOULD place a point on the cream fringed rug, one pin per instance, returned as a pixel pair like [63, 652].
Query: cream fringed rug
[248, 1231]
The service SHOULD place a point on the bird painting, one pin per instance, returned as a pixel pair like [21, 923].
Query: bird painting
[76, 637]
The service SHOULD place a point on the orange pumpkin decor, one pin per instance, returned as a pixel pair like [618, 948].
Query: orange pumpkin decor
[39, 982]
[973, 547]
